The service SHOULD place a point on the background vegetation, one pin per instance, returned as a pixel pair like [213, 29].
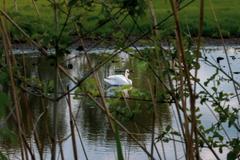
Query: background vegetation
[94, 14]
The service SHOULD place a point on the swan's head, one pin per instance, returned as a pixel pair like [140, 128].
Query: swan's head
[127, 73]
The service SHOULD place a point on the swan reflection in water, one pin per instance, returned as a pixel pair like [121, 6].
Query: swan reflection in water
[120, 91]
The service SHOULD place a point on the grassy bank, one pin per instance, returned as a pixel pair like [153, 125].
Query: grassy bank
[92, 20]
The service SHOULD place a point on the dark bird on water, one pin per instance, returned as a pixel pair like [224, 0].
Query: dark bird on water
[219, 59]
[80, 48]
[233, 57]
[236, 72]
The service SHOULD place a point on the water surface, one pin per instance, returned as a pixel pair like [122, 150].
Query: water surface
[93, 126]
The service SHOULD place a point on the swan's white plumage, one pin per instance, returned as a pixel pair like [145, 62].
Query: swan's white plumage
[118, 80]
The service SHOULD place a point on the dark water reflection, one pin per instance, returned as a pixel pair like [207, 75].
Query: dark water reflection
[94, 127]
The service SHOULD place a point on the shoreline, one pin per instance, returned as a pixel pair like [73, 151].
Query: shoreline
[207, 42]
[218, 42]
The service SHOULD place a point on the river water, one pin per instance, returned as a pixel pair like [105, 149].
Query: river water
[93, 132]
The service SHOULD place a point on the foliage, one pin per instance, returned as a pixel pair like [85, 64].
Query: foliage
[134, 7]
[2, 156]
[90, 13]
[89, 86]
[234, 153]
[9, 136]
[3, 76]
[167, 134]
[4, 98]
[228, 115]
[4, 101]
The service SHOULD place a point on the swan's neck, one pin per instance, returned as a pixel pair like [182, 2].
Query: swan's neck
[126, 75]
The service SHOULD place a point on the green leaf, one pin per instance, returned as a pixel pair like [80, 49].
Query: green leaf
[214, 89]
[176, 133]
[118, 143]
[211, 78]
[232, 120]
[168, 128]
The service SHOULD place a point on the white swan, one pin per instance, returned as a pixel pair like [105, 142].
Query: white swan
[119, 80]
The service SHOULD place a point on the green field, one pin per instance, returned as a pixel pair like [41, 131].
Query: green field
[92, 19]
